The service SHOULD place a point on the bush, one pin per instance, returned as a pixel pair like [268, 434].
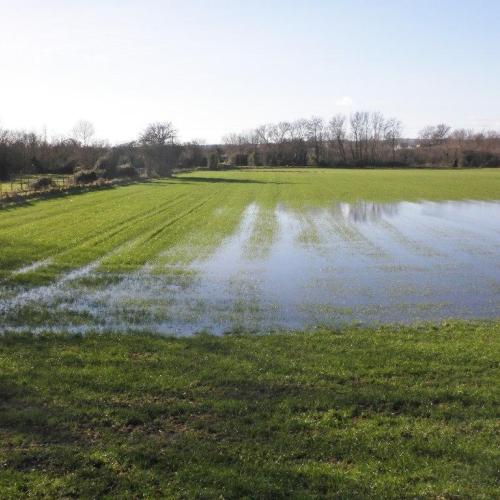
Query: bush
[127, 170]
[43, 183]
[213, 161]
[106, 165]
[119, 162]
[67, 168]
[38, 166]
[4, 171]
[240, 160]
[480, 159]
[153, 174]
[86, 177]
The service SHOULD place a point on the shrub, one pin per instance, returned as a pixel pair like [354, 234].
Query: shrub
[43, 183]
[110, 165]
[103, 182]
[127, 170]
[105, 162]
[153, 174]
[106, 165]
[480, 159]
[4, 171]
[67, 168]
[240, 160]
[86, 177]
[38, 166]
[213, 161]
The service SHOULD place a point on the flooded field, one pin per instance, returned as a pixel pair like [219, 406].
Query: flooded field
[279, 266]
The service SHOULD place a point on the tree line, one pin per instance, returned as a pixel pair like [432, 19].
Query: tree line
[362, 139]
[156, 152]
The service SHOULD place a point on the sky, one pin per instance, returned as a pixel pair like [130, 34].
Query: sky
[222, 66]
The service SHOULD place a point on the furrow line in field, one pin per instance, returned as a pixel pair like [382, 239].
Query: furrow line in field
[34, 266]
[96, 229]
[51, 207]
[140, 239]
[408, 243]
[135, 221]
[108, 208]
[49, 293]
[207, 233]
[180, 217]
[111, 231]
[54, 290]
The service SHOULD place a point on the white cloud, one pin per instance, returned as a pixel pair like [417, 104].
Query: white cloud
[344, 101]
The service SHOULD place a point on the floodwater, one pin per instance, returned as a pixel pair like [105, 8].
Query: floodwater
[364, 262]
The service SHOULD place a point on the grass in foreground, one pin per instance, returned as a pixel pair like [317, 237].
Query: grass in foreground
[389, 412]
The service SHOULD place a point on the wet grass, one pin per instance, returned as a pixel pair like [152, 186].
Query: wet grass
[132, 225]
[383, 413]
[394, 412]
[84, 244]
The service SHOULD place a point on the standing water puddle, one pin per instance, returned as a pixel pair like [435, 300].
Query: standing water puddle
[369, 262]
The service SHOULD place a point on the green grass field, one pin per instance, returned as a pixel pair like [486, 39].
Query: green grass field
[354, 412]
[130, 225]
[386, 413]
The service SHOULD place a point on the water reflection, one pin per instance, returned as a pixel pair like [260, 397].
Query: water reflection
[363, 211]
[365, 261]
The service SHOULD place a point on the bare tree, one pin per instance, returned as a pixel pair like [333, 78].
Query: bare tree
[279, 135]
[426, 134]
[4, 150]
[82, 132]
[337, 132]
[232, 140]
[441, 133]
[158, 133]
[282, 132]
[262, 134]
[392, 134]
[377, 123]
[298, 134]
[160, 152]
[434, 134]
[315, 133]
[461, 135]
[359, 122]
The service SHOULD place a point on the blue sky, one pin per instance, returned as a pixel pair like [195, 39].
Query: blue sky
[214, 67]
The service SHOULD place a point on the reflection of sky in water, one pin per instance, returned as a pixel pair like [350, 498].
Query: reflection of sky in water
[369, 262]
[366, 262]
